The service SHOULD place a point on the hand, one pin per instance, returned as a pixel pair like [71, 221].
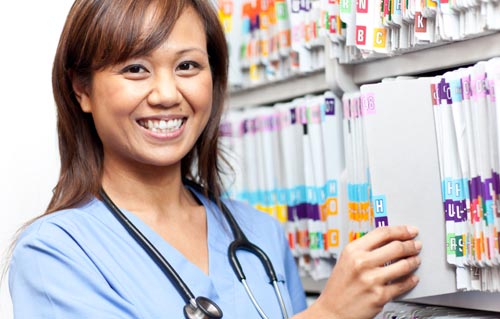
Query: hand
[363, 281]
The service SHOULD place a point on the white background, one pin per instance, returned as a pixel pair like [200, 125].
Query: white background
[29, 162]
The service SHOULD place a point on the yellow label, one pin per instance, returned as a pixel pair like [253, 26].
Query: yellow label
[254, 72]
[282, 213]
[379, 37]
[333, 238]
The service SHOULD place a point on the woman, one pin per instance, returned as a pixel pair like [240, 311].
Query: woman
[139, 86]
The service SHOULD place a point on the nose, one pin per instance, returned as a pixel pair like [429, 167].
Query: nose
[164, 91]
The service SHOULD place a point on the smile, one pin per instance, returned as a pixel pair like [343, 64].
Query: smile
[162, 126]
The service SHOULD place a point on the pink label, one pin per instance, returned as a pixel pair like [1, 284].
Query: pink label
[491, 89]
[479, 86]
[266, 123]
[302, 115]
[355, 108]
[466, 88]
[345, 105]
[368, 104]
[315, 114]
[285, 119]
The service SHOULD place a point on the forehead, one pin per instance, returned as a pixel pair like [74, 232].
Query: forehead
[188, 29]
[138, 29]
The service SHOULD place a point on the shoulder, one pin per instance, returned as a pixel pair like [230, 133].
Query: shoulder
[61, 223]
[61, 228]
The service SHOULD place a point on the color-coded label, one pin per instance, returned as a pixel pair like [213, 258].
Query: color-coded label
[479, 88]
[491, 90]
[420, 23]
[368, 104]
[444, 92]
[346, 6]
[380, 211]
[379, 37]
[329, 106]
[360, 34]
[466, 88]
[362, 6]
[456, 90]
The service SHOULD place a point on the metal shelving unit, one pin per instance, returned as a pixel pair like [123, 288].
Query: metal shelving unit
[344, 78]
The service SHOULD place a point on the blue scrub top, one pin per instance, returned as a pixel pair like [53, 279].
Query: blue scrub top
[82, 263]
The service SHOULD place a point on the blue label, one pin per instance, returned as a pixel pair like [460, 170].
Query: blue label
[300, 194]
[331, 188]
[456, 90]
[312, 195]
[379, 207]
[454, 189]
[489, 212]
[282, 196]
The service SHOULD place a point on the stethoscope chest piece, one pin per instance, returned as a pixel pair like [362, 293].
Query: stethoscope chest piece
[204, 308]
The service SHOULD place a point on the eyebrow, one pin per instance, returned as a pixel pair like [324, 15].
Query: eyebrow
[191, 49]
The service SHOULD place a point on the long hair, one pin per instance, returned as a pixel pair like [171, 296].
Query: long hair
[100, 33]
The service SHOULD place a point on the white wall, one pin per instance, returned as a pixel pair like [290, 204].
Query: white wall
[29, 164]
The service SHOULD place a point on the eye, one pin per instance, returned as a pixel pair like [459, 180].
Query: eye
[188, 66]
[134, 69]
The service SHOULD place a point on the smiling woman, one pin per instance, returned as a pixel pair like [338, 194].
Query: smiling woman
[136, 227]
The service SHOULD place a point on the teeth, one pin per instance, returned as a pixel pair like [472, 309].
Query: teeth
[162, 126]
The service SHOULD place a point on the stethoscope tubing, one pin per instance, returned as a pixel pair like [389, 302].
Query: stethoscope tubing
[150, 249]
[197, 307]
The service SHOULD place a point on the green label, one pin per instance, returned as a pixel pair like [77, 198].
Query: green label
[345, 6]
[451, 244]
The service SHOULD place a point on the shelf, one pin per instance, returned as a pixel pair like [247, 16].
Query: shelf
[426, 60]
[283, 90]
[312, 286]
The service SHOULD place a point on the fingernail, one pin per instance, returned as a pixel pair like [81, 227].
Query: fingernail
[415, 279]
[412, 230]
[418, 245]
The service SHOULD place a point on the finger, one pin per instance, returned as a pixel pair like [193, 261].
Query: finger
[401, 286]
[382, 235]
[399, 269]
[395, 250]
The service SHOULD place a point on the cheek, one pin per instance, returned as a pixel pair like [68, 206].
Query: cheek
[199, 95]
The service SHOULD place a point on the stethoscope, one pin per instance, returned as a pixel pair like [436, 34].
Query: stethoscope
[202, 307]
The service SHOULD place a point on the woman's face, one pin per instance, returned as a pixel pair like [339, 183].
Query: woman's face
[150, 110]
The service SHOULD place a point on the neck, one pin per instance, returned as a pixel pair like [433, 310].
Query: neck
[151, 193]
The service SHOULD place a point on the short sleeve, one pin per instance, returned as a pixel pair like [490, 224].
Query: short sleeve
[52, 277]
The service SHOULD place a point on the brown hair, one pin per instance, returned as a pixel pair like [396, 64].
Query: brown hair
[99, 33]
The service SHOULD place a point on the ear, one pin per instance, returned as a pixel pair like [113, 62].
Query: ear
[81, 93]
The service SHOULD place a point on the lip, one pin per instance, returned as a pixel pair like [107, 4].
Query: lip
[163, 136]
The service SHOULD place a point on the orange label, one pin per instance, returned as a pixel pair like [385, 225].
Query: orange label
[379, 37]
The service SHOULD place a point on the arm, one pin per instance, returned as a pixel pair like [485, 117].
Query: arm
[360, 285]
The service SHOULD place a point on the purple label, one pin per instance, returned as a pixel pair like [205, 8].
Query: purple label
[381, 221]
[455, 210]
[489, 189]
[444, 92]
[226, 129]
[293, 116]
[329, 106]
[496, 182]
